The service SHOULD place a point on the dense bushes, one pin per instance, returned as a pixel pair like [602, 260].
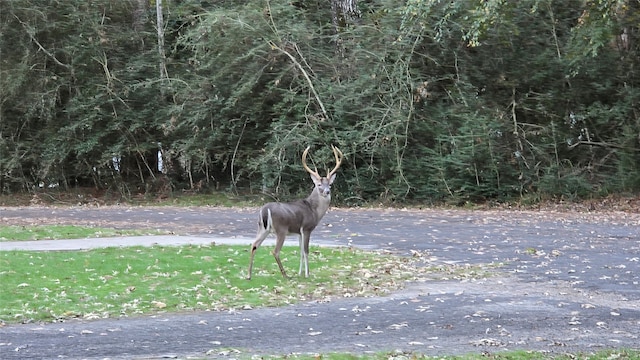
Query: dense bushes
[429, 100]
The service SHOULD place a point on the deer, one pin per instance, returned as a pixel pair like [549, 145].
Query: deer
[298, 217]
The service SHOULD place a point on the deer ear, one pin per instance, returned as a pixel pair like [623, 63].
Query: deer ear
[316, 180]
[333, 177]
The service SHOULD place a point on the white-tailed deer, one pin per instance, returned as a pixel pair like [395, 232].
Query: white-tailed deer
[298, 217]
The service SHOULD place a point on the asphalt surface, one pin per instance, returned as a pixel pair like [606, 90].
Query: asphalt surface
[569, 282]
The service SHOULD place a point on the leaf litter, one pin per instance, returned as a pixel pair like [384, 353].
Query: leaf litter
[115, 282]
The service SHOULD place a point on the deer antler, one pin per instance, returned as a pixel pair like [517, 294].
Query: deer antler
[304, 163]
[338, 154]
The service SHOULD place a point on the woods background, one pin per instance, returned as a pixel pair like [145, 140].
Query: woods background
[429, 100]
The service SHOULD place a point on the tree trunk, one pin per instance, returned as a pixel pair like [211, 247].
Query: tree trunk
[160, 26]
[139, 14]
[342, 11]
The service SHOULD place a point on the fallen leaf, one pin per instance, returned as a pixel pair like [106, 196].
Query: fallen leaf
[398, 326]
[228, 352]
[486, 342]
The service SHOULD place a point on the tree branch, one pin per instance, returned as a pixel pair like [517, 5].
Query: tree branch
[33, 38]
[602, 144]
[304, 73]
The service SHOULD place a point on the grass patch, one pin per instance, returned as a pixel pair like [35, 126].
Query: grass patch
[617, 354]
[112, 282]
[222, 199]
[54, 232]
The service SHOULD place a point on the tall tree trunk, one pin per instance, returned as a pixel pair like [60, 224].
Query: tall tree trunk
[160, 26]
[342, 11]
[139, 14]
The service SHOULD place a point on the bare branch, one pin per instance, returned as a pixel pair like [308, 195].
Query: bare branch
[602, 144]
[304, 73]
[33, 38]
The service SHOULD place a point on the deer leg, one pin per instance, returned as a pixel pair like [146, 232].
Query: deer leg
[276, 252]
[262, 234]
[301, 253]
[304, 250]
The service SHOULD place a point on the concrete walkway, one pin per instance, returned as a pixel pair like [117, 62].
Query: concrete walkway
[148, 240]
[96, 243]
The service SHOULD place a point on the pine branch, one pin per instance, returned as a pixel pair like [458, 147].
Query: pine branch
[33, 38]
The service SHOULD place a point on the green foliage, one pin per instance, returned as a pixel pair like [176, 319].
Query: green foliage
[430, 101]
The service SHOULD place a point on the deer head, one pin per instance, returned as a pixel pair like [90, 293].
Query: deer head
[323, 183]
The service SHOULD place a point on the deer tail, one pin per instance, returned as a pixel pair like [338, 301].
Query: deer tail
[265, 219]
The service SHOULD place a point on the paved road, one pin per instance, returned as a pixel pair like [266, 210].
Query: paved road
[571, 282]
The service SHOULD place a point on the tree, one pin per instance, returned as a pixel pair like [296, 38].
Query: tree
[429, 100]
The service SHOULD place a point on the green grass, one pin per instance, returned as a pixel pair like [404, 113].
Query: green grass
[111, 282]
[53, 232]
[617, 354]
[608, 354]
[222, 199]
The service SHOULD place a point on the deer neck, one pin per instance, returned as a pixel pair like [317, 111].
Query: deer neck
[319, 204]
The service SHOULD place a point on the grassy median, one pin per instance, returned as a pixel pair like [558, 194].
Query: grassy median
[112, 282]
[55, 232]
